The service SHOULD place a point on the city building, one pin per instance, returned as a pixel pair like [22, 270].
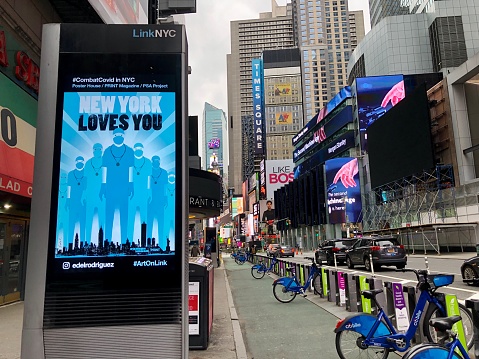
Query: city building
[215, 151]
[436, 36]
[379, 9]
[273, 30]
[323, 34]
[283, 101]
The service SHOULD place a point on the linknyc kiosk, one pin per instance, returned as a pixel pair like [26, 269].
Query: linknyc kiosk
[107, 276]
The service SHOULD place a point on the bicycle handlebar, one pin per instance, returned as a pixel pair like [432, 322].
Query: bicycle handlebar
[417, 272]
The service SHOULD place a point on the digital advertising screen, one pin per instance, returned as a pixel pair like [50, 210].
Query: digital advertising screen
[116, 188]
[395, 150]
[376, 96]
[214, 143]
[343, 190]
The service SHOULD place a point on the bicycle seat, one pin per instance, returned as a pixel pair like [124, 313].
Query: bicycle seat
[370, 294]
[443, 324]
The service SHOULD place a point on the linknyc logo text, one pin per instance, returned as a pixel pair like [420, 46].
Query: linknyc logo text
[154, 33]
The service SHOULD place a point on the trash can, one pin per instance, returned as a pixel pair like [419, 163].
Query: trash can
[200, 302]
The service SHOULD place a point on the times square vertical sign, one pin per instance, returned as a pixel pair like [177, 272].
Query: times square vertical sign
[258, 107]
[106, 248]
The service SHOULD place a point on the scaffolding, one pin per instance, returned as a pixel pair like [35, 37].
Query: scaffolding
[419, 207]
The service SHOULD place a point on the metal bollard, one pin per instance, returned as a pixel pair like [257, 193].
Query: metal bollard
[351, 293]
[473, 304]
[332, 286]
[372, 265]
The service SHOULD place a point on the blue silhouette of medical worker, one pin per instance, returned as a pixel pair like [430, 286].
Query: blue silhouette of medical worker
[117, 187]
[91, 198]
[139, 202]
[62, 214]
[157, 200]
[76, 186]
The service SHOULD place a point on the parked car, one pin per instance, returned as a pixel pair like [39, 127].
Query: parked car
[327, 249]
[385, 250]
[286, 251]
[272, 249]
[470, 271]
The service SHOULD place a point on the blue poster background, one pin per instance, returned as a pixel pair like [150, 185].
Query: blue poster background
[343, 191]
[117, 174]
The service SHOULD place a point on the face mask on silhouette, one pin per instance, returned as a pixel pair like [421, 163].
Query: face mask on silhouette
[79, 165]
[97, 150]
[118, 139]
[138, 150]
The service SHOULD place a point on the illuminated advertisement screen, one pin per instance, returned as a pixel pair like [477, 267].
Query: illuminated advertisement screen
[214, 143]
[122, 11]
[284, 118]
[258, 106]
[376, 96]
[343, 190]
[117, 150]
[282, 90]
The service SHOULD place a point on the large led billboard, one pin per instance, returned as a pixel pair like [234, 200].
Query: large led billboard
[375, 96]
[122, 11]
[278, 173]
[343, 190]
[400, 145]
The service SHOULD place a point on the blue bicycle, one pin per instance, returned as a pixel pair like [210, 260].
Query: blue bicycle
[445, 350]
[258, 271]
[242, 257]
[285, 289]
[376, 335]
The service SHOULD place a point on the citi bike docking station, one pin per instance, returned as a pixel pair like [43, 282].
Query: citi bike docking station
[384, 316]
[258, 271]
[107, 275]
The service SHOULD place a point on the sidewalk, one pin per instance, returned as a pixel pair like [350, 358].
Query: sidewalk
[222, 341]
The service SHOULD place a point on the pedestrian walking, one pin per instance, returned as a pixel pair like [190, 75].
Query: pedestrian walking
[195, 251]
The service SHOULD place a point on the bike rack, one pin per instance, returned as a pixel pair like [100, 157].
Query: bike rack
[473, 304]
[351, 293]
[332, 285]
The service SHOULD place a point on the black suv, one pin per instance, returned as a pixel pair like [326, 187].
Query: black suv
[385, 250]
[327, 249]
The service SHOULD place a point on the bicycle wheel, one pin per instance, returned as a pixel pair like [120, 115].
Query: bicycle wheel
[282, 294]
[239, 261]
[317, 284]
[258, 273]
[467, 323]
[348, 346]
[426, 351]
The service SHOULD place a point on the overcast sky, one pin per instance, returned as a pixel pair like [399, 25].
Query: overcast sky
[208, 32]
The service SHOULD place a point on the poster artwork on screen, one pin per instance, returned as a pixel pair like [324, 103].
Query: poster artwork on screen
[343, 191]
[117, 174]
[376, 96]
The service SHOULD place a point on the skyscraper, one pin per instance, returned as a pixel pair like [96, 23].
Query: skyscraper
[215, 152]
[273, 30]
[379, 9]
[283, 101]
[422, 37]
[322, 32]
